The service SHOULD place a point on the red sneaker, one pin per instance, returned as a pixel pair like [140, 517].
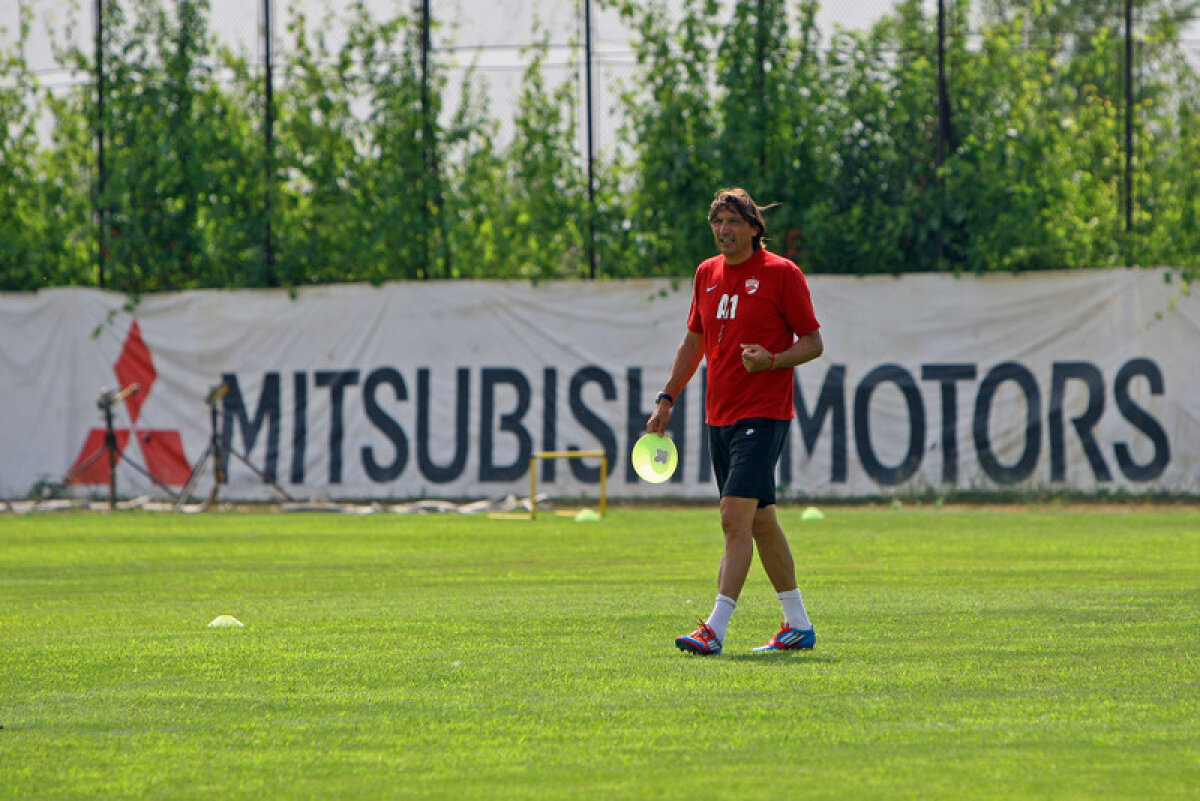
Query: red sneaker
[790, 639]
[702, 642]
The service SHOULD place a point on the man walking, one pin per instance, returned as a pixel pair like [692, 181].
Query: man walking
[752, 319]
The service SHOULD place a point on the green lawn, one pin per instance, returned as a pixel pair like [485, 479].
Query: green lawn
[1040, 652]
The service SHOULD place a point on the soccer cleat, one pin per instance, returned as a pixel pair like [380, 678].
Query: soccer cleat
[790, 639]
[703, 641]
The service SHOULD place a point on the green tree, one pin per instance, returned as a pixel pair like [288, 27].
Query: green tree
[45, 233]
[1169, 176]
[1036, 174]
[617, 255]
[147, 199]
[21, 225]
[672, 127]
[174, 190]
[1040, 184]
[318, 152]
[876, 210]
[66, 190]
[541, 216]
[475, 182]
[232, 207]
[367, 183]
[770, 89]
[363, 199]
[399, 185]
[1074, 24]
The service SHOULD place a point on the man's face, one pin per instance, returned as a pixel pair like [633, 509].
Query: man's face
[734, 234]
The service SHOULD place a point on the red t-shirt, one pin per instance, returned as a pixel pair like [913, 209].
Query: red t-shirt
[763, 300]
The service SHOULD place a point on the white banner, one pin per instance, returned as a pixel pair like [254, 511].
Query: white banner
[1082, 381]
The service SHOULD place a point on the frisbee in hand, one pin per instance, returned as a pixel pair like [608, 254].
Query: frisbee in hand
[654, 458]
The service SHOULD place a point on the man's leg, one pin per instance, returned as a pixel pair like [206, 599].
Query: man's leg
[737, 524]
[776, 557]
[773, 550]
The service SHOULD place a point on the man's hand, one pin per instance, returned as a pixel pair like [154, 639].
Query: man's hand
[756, 358]
[657, 424]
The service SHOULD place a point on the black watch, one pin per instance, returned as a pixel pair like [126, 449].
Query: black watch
[662, 396]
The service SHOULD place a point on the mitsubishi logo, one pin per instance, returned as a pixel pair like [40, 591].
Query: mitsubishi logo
[162, 450]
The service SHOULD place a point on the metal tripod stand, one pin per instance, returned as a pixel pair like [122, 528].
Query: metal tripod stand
[216, 450]
[112, 449]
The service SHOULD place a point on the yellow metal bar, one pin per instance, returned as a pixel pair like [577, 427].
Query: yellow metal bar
[603, 485]
[533, 486]
[569, 454]
[601, 455]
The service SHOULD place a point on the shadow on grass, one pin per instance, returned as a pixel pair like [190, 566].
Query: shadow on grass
[783, 658]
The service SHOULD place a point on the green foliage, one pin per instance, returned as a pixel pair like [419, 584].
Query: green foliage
[1167, 155]
[476, 179]
[1170, 195]
[1033, 167]
[539, 220]
[397, 186]
[1036, 177]
[371, 177]
[318, 151]
[769, 93]
[64, 221]
[672, 124]
[43, 196]
[876, 209]
[19, 212]
[175, 147]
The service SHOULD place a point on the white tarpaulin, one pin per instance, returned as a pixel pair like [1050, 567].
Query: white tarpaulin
[1084, 381]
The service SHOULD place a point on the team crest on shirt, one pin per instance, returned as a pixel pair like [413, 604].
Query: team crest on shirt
[751, 286]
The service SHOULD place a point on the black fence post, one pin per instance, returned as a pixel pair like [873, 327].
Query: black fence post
[1128, 198]
[268, 144]
[944, 129]
[432, 193]
[591, 147]
[101, 169]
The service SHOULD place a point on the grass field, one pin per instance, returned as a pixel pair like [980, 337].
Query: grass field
[962, 653]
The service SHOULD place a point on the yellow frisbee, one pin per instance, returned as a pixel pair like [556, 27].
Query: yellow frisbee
[654, 458]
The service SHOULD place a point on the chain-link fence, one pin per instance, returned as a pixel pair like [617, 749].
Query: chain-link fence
[490, 37]
[588, 46]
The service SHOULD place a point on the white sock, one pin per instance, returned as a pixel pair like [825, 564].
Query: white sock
[718, 621]
[794, 613]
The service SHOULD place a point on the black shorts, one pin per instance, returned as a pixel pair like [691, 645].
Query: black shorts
[744, 457]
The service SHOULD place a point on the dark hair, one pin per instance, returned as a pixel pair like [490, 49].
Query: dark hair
[738, 200]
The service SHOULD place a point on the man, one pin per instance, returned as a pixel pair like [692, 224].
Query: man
[752, 319]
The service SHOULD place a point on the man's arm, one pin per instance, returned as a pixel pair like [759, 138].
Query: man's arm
[687, 359]
[805, 349]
